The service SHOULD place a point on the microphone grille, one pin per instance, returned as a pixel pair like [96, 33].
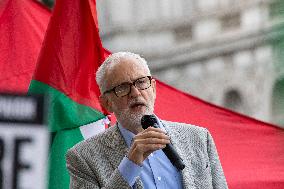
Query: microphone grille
[148, 120]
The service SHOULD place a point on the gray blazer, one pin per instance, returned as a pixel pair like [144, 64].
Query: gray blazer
[93, 163]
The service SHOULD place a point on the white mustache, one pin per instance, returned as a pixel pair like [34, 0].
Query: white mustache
[137, 101]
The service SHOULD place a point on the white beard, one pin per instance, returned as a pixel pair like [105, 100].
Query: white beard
[132, 120]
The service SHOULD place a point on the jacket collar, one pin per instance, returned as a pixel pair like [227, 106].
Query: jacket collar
[182, 149]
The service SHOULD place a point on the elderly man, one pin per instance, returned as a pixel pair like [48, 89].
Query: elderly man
[126, 155]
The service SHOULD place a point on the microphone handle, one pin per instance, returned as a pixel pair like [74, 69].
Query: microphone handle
[172, 154]
[173, 157]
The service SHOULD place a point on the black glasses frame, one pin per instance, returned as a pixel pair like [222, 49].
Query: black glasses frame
[130, 85]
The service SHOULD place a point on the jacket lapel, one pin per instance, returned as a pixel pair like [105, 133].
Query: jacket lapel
[116, 149]
[185, 153]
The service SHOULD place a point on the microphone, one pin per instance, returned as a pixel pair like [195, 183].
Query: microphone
[150, 120]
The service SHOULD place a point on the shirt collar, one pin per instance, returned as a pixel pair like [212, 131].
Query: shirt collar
[127, 135]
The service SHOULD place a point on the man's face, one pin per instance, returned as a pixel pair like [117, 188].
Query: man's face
[129, 109]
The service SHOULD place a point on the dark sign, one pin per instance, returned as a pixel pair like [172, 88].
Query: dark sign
[24, 142]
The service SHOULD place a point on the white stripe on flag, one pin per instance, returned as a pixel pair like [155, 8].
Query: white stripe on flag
[94, 128]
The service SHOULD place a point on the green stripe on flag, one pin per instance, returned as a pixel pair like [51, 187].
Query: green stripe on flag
[62, 141]
[64, 113]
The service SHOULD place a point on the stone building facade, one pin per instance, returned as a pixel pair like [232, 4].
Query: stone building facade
[224, 51]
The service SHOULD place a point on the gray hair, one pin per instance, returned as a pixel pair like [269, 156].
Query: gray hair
[112, 60]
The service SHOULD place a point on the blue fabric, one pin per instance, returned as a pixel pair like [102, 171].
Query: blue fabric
[156, 171]
[129, 170]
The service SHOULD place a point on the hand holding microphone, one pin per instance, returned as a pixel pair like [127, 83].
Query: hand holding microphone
[150, 120]
[151, 139]
[146, 142]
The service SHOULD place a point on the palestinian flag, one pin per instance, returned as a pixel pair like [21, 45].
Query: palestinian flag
[251, 152]
[66, 67]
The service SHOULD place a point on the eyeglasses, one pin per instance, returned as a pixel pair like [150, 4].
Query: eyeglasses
[125, 88]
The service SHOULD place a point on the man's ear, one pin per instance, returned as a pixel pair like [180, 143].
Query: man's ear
[105, 102]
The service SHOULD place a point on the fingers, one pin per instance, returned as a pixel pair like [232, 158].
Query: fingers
[154, 129]
[146, 142]
[151, 136]
[151, 141]
[152, 132]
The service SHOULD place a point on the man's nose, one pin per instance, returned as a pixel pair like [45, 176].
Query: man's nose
[134, 91]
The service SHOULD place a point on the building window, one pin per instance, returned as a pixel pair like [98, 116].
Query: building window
[278, 54]
[233, 101]
[276, 9]
[183, 33]
[277, 111]
[230, 21]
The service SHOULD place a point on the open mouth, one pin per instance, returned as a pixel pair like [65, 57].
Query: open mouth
[137, 105]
